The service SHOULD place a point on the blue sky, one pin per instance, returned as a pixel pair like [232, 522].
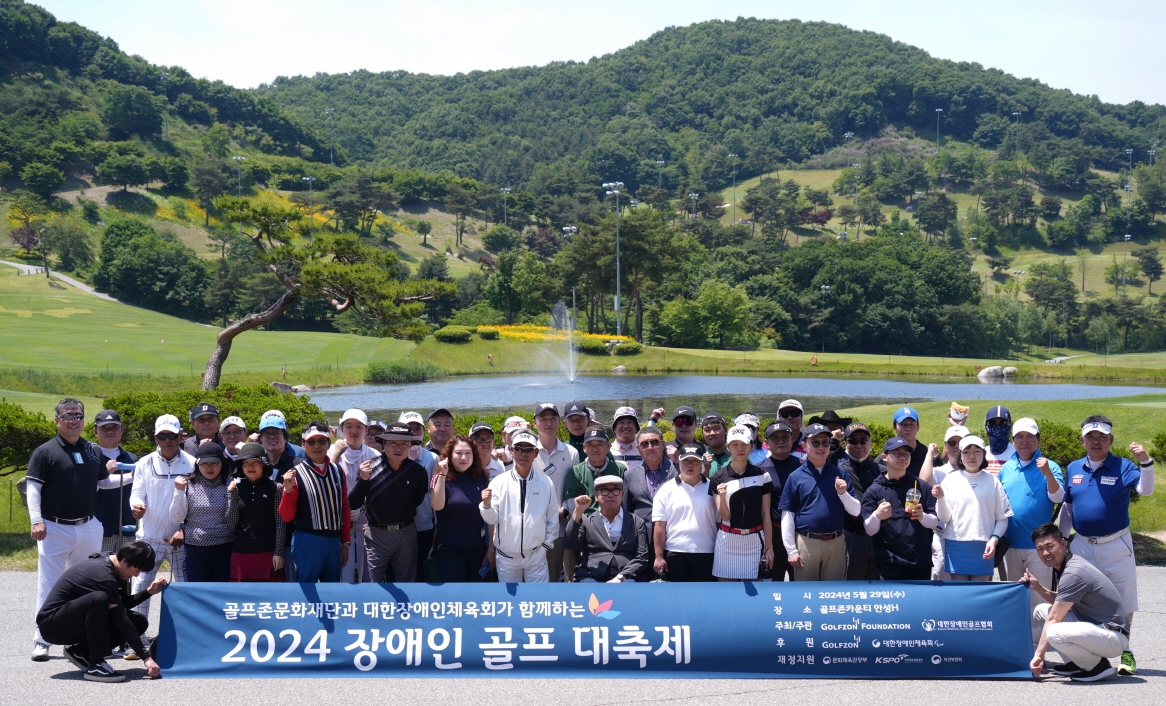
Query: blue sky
[1089, 47]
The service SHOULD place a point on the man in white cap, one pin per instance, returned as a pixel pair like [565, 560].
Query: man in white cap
[504, 453]
[612, 544]
[790, 412]
[150, 500]
[624, 425]
[349, 453]
[1034, 485]
[555, 460]
[1097, 506]
[521, 507]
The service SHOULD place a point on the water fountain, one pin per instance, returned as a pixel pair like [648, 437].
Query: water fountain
[562, 319]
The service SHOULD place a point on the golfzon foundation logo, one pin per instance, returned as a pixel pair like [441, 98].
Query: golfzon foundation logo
[601, 610]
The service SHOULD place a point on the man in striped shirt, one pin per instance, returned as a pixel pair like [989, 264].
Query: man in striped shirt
[315, 503]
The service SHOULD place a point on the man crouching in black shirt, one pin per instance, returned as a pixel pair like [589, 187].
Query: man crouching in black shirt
[87, 611]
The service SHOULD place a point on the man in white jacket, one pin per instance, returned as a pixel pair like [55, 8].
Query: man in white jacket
[523, 510]
[150, 500]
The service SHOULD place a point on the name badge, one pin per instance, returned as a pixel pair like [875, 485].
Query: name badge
[550, 470]
[1077, 480]
[77, 458]
[1108, 480]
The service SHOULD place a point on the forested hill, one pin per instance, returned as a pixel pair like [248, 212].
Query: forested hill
[770, 91]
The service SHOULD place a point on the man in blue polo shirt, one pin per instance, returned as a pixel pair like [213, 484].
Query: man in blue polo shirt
[1034, 485]
[813, 504]
[1097, 506]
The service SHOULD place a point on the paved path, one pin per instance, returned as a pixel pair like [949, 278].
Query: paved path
[37, 270]
[57, 683]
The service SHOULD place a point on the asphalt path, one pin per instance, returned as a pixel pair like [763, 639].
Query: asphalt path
[56, 682]
[34, 270]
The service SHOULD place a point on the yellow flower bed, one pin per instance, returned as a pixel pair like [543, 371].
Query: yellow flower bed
[539, 334]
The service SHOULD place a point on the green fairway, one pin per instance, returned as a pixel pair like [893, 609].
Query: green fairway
[52, 326]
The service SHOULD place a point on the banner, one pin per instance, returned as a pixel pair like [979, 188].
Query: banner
[861, 629]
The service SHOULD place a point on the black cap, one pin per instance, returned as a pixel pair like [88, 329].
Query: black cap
[439, 410]
[596, 433]
[481, 426]
[202, 409]
[776, 427]
[544, 406]
[814, 430]
[998, 412]
[855, 426]
[684, 412]
[690, 451]
[106, 416]
[396, 432]
[714, 417]
[210, 451]
[575, 407]
[253, 450]
[895, 442]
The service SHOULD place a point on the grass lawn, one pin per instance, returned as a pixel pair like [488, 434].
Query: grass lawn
[17, 550]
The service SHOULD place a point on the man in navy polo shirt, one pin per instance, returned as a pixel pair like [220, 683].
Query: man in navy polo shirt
[856, 461]
[814, 502]
[901, 534]
[1097, 506]
[780, 465]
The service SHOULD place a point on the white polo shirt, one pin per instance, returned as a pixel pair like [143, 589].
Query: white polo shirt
[689, 514]
[556, 464]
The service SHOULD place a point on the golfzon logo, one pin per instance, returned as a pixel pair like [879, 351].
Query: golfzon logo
[601, 610]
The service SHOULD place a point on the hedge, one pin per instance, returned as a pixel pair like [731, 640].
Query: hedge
[628, 348]
[20, 433]
[592, 346]
[407, 370]
[488, 334]
[453, 334]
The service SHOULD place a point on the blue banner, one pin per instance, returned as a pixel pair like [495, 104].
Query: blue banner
[857, 629]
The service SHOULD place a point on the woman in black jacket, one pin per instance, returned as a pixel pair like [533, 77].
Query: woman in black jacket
[259, 532]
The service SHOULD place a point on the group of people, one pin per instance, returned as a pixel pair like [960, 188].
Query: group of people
[803, 500]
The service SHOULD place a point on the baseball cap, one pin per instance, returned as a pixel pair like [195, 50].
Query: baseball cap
[209, 451]
[853, 427]
[972, 441]
[591, 414]
[233, 422]
[776, 427]
[544, 407]
[272, 422]
[410, 417]
[959, 431]
[747, 419]
[377, 424]
[511, 424]
[712, 417]
[739, 432]
[684, 412]
[597, 433]
[1025, 424]
[622, 412]
[481, 426]
[167, 422]
[202, 409]
[316, 429]
[575, 407]
[106, 416]
[998, 412]
[814, 430]
[895, 442]
[524, 436]
[273, 413]
[905, 413]
[691, 451]
[608, 479]
[440, 410]
[252, 450]
[355, 414]
[397, 431]
[788, 404]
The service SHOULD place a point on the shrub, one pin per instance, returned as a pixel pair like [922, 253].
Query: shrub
[488, 334]
[499, 238]
[628, 348]
[20, 433]
[139, 410]
[452, 334]
[591, 346]
[407, 370]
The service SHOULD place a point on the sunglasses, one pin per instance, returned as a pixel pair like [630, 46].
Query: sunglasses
[789, 415]
[524, 449]
[899, 453]
[954, 442]
[683, 422]
[819, 444]
[859, 441]
[74, 417]
[482, 440]
[649, 443]
[316, 441]
[608, 491]
[167, 436]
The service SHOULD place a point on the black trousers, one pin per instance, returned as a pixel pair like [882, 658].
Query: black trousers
[459, 564]
[898, 572]
[211, 563]
[424, 545]
[87, 623]
[684, 567]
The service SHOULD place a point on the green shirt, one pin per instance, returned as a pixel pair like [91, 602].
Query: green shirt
[720, 460]
[582, 482]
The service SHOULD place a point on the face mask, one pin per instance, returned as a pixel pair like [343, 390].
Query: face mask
[860, 460]
[998, 437]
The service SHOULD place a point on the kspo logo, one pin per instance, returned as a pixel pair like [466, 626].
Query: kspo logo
[897, 659]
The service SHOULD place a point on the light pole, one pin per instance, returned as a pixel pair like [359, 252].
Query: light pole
[505, 214]
[311, 199]
[856, 166]
[1152, 154]
[660, 172]
[239, 159]
[692, 197]
[166, 113]
[615, 188]
[1124, 247]
[937, 112]
[633, 204]
[734, 158]
[825, 293]
[849, 136]
[331, 136]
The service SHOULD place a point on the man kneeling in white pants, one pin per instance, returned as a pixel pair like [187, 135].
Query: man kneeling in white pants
[1083, 617]
[523, 509]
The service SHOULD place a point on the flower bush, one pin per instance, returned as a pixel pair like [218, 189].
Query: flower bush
[539, 334]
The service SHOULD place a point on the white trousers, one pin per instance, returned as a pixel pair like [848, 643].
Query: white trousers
[938, 558]
[162, 550]
[532, 569]
[62, 547]
[352, 571]
[1015, 562]
[1116, 560]
[1083, 644]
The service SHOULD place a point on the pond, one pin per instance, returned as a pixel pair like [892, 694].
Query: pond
[724, 393]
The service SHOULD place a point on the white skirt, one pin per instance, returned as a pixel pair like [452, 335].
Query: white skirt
[737, 556]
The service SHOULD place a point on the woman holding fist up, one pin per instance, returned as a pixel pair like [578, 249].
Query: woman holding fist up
[200, 503]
